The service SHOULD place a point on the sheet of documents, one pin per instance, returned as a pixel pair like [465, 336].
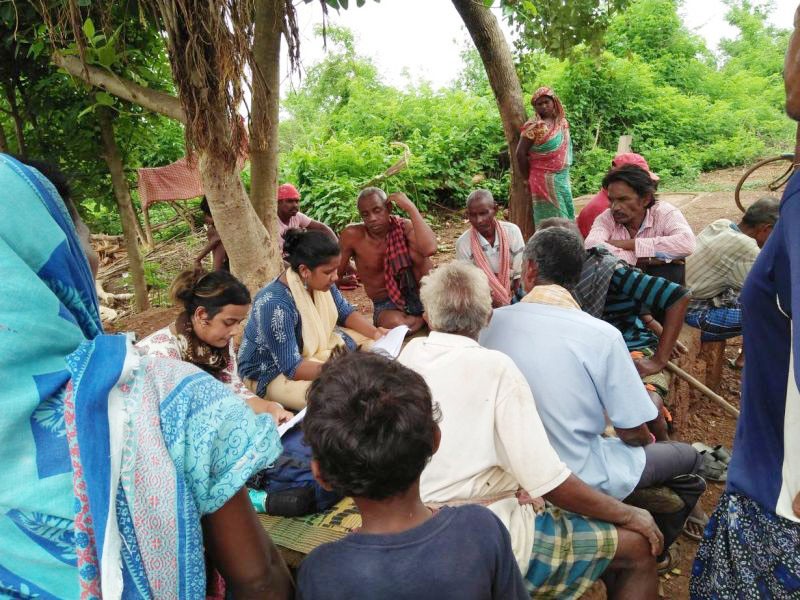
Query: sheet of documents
[291, 422]
[392, 342]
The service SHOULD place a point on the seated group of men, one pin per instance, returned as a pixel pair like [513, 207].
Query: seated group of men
[523, 393]
[567, 322]
[584, 327]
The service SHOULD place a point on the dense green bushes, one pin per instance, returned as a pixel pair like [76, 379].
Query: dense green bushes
[659, 83]
[688, 111]
[344, 120]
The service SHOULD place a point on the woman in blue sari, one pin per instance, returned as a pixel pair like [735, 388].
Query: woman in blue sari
[119, 470]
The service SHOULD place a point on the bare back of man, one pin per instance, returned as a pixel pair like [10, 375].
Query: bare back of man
[366, 243]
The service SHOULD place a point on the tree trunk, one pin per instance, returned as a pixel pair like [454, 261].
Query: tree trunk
[252, 251]
[488, 38]
[148, 228]
[122, 193]
[264, 125]
[19, 124]
[3, 140]
[140, 234]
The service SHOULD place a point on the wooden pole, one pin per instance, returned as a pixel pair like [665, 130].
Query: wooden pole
[148, 229]
[726, 406]
[624, 144]
[127, 216]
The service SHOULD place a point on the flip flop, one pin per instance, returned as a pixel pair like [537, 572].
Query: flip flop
[721, 453]
[702, 448]
[732, 364]
[666, 563]
[695, 521]
[713, 469]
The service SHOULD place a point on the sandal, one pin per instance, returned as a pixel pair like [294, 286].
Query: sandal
[701, 523]
[713, 469]
[665, 564]
[702, 448]
[721, 453]
[732, 364]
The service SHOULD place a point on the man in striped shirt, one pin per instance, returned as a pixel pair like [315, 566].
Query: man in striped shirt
[612, 290]
[717, 269]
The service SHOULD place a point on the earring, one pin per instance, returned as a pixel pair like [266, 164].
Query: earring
[305, 283]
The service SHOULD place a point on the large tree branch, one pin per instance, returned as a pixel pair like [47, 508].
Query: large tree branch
[153, 100]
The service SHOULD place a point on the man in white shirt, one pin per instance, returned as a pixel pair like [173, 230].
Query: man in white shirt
[716, 271]
[494, 451]
[493, 246]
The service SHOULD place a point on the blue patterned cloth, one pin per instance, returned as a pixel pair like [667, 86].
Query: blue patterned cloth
[50, 341]
[748, 553]
[273, 341]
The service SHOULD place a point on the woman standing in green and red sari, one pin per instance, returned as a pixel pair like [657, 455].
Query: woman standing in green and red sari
[544, 155]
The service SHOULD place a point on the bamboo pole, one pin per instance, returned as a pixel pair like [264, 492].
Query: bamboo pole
[703, 389]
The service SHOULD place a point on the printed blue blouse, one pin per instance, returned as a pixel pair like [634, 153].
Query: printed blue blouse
[273, 342]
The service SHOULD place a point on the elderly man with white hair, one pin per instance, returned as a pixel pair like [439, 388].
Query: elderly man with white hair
[494, 451]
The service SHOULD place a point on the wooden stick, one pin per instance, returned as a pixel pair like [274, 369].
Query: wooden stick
[727, 406]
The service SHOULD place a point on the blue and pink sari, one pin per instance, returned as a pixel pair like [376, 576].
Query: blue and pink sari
[109, 458]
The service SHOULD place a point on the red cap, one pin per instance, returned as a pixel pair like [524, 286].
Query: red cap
[631, 158]
[288, 192]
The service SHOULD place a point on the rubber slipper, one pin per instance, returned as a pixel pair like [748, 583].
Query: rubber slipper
[721, 453]
[702, 448]
[732, 364]
[695, 521]
[665, 564]
[713, 470]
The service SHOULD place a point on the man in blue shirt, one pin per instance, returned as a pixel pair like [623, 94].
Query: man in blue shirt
[752, 544]
[580, 371]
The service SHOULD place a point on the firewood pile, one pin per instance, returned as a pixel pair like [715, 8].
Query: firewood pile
[162, 263]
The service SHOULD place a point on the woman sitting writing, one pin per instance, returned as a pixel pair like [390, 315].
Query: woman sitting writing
[215, 304]
[293, 328]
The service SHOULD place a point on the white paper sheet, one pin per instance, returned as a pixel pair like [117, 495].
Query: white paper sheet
[392, 342]
[291, 422]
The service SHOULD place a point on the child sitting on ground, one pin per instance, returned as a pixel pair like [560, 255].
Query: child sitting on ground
[371, 425]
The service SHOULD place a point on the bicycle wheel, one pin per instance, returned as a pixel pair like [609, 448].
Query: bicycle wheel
[768, 176]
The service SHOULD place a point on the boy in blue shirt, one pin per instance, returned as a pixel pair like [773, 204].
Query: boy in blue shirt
[371, 425]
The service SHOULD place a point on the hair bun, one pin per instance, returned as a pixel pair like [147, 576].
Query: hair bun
[182, 288]
[292, 238]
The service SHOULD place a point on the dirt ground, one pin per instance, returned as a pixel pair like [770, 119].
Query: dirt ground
[707, 423]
